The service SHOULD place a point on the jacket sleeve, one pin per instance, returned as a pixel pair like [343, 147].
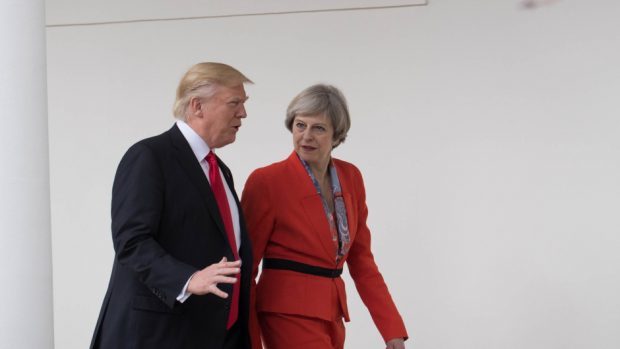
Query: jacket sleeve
[257, 206]
[368, 280]
[137, 205]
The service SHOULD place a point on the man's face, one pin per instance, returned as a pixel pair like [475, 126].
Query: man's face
[217, 119]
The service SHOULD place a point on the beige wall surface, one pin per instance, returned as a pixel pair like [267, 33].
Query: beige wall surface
[487, 134]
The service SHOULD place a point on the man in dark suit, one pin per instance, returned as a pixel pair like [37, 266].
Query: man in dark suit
[179, 235]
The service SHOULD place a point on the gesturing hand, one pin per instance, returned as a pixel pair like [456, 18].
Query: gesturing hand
[206, 280]
[396, 343]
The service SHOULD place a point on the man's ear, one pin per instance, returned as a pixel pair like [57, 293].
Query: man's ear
[195, 106]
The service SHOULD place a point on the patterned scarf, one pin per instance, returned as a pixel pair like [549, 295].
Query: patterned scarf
[338, 224]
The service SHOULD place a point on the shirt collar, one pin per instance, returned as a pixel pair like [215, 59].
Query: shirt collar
[198, 145]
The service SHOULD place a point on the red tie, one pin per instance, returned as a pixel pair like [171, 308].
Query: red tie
[222, 202]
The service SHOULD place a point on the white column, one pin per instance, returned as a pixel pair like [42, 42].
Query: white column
[26, 317]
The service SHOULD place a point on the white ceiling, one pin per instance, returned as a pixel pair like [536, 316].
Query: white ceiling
[67, 12]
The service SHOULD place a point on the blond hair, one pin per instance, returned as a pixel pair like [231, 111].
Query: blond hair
[202, 80]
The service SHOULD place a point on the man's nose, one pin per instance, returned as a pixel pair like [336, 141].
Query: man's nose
[242, 113]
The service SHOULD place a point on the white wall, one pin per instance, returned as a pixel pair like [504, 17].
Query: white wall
[487, 134]
[25, 239]
[63, 12]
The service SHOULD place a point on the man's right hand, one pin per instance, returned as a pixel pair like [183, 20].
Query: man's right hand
[206, 280]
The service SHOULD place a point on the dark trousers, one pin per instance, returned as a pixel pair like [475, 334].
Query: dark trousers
[233, 337]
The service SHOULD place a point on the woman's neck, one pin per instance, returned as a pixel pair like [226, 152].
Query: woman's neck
[320, 171]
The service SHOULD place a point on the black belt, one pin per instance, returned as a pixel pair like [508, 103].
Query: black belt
[285, 264]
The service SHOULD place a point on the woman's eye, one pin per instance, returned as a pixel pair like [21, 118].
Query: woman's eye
[299, 125]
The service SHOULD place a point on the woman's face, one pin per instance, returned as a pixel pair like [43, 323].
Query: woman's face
[313, 139]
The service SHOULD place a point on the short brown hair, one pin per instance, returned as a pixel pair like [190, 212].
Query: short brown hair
[321, 99]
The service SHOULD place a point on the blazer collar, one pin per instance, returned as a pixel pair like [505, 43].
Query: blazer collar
[199, 147]
[186, 158]
[313, 206]
[305, 182]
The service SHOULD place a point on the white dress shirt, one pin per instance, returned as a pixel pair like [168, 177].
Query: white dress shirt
[201, 149]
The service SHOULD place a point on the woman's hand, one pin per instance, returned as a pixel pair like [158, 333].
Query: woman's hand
[396, 343]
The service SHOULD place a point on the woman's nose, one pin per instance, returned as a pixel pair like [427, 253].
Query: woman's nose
[306, 134]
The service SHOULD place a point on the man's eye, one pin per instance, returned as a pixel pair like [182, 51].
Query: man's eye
[233, 103]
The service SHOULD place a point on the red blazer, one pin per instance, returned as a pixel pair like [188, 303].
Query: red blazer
[285, 219]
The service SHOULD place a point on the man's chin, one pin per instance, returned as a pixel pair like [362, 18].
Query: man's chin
[227, 141]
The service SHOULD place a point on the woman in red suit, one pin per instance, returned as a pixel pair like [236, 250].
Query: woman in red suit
[306, 216]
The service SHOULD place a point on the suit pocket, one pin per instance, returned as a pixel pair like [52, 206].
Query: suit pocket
[148, 303]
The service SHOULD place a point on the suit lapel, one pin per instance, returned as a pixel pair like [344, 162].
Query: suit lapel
[351, 216]
[231, 184]
[313, 207]
[228, 177]
[312, 204]
[348, 200]
[187, 160]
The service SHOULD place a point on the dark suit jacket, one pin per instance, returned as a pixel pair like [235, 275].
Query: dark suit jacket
[165, 226]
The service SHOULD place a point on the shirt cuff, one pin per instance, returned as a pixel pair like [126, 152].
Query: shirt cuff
[184, 295]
